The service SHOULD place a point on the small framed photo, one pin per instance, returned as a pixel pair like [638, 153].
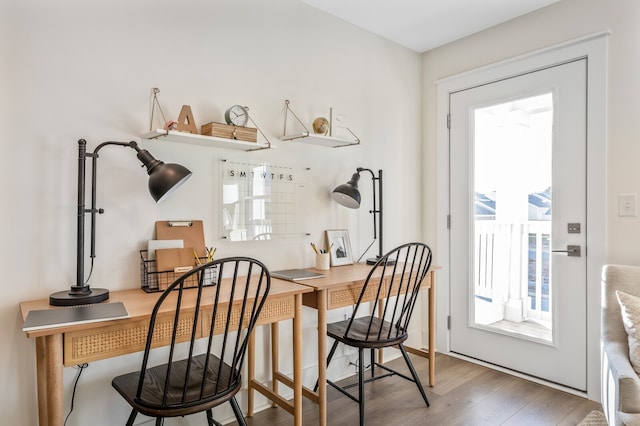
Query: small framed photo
[340, 247]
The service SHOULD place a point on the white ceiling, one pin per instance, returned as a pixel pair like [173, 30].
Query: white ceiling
[422, 25]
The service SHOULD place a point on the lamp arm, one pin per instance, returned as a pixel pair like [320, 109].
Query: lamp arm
[377, 207]
[83, 155]
[132, 144]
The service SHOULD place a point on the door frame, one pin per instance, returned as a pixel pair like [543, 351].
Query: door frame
[594, 49]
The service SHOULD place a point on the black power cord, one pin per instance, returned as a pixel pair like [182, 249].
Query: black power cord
[75, 384]
[365, 252]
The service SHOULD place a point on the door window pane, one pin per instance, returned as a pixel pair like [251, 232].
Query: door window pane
[512, 208]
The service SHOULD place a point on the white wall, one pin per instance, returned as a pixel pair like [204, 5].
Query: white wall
[72, 69]
[561, 22]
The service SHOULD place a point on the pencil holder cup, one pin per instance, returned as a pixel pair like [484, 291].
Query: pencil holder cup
[322, 261]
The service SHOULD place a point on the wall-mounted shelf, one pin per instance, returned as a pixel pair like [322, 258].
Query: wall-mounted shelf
[327, 141]
[315, 139]
[202, 140]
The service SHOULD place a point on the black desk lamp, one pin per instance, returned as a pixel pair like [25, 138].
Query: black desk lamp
[348, 195]
[163, 180]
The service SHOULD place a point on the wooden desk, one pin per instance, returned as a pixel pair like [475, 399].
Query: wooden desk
[341, 287]
[77, 344]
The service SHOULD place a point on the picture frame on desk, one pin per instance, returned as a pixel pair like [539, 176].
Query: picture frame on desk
[340, 247]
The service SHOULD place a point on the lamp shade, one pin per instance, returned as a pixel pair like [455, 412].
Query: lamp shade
[163, 178]
[348, 194]
[166, 178]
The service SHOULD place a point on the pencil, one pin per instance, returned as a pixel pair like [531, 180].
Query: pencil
[210, 253]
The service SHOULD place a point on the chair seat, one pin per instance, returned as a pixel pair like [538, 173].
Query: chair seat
[151, 403]
[364, 333]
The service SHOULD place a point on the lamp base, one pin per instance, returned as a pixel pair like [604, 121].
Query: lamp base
[67, 298]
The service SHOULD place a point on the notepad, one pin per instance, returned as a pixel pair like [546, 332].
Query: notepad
[154, 245]
[296, 274]
[56, 317]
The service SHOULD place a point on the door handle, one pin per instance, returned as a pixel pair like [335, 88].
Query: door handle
[573, 251]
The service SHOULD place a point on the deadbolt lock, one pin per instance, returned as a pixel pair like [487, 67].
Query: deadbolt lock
[573, 228]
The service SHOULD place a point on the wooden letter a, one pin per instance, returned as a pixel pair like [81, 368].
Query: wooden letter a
[186, 123]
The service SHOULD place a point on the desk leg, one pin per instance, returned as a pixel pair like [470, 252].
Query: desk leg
[297, 361]
[50, 384]
[251, 371]
[322, 356]
[41, 358]
[429, 353]
[381, 350]
[275, 356]
[432, 330]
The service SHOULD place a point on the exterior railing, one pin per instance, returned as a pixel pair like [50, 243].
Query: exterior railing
[512, 263]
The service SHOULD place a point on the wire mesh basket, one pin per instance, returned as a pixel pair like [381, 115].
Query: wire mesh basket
[152, 280]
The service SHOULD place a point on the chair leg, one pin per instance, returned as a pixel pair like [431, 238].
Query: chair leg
[132, 417]
[212, 421]
[329, 357]
[373, 362]
[159, 421]
[361, 384]
[237, 412]
[416, 379]
[332, 351]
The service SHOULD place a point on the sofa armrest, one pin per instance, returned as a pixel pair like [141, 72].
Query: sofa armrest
[620, 383]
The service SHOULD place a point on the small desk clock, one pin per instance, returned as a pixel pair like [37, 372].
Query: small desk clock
[237, 115]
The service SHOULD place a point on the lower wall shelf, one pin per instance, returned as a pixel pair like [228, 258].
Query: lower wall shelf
[202, 140]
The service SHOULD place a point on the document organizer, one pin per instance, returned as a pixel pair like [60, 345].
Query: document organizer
[152, 280]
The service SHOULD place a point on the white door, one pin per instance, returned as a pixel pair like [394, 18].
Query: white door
[518, 221]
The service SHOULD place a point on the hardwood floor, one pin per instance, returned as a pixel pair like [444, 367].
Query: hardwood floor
[464, 394]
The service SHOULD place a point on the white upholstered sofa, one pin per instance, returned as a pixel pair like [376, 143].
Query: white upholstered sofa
[620, 383]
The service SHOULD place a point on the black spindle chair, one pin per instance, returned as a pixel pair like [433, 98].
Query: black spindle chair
[206, 328]
[384, 321]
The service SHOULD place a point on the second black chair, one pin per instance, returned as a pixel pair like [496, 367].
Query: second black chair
[206, 329]
[393, 282]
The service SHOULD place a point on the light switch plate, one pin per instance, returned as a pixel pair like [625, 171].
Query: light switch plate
[627, 205]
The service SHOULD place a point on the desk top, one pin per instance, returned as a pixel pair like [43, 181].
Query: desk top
[338, 275]
[344, 276]
[140, 303]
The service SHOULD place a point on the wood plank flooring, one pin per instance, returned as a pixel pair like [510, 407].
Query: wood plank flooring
[464, 394]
